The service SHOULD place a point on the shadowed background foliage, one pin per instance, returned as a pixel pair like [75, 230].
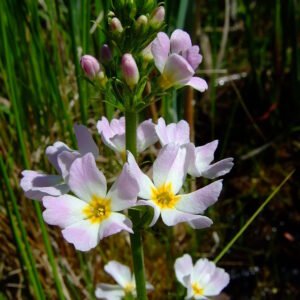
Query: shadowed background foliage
[251, 61]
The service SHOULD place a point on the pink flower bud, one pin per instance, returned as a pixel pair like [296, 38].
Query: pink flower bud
[90, 65]
[106, 55]
[130, 70]
[158, 16]
[115, 25]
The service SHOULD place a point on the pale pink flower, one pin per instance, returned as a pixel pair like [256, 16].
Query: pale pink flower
[113, 134]
[126, 283]
[93, 213]
[177, 60]
[199, 158]
[36, 184]
[202, 280]
[169, 172]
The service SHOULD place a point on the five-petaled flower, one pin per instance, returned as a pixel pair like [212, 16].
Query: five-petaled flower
[94, 213]
[125, 280]
[176, 59]
[202, 280]
[169, 172]
[36, 185]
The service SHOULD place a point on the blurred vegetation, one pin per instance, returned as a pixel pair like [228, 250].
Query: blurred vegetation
[251, 61]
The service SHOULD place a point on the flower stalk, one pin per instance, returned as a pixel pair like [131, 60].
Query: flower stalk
[136, 238]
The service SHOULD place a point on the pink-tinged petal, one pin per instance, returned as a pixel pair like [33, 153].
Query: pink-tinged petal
[160, 48]
[84, 235]
[146, 135]
[201, 157]
[219, 168]
[155, 208]
[182, 133]
[198, 84]
[198, 201]
[63, 211]
[193, 57]
[161, 131]
[119, 272]
[106, 133]
[170, 167]
[177, 71]
[173, 217]
[218, 281]
[200, 222]
[109, 292]
[124, 191]
[85, 179]
[53, 151]
[119, 142]
[85, 140]
[180, 41]
[144, 182]
[37, 185]
[183, 269]
[118, 125]
[114, 224]
[65, 160]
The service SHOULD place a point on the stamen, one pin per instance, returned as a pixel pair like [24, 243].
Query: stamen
[164, 196]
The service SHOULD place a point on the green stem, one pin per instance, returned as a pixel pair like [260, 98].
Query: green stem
[136, 238]
[241, 231]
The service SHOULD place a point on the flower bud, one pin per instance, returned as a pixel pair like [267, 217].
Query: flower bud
[158, 16]
[141, 21]
[115, 25]
[130, 70]
[105, 53]
[90, 65]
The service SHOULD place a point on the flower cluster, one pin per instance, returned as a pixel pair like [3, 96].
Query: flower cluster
[93, 212]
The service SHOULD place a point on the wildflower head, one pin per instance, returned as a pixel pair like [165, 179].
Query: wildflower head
[90, 66]
[130, 70]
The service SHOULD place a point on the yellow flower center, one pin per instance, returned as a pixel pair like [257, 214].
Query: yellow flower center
[164, 196]
[198, 291]
[97, 210]
[165, 82]
[129, 288]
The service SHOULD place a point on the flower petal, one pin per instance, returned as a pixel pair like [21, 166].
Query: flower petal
[119, 142]
[219, 168]
[53, 151]
[183, 269]
[144, 182]
[113, 130]
[146, 135]
[109, 292]
[114, 224]
[37, 185]
[85, 140]
[63, 211]
[172, 217]
[124, 191]
[180, 41]
[84, 235]
[85, 179]
[119, 272]
[218, 281]
[173, 133]
[155, 208]
[198, 84]
[177, 71]
[201, 157]
[65, 160]
[193, 57]
[170, 167]
[198, 201]
[160, 48]
[200, 222]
